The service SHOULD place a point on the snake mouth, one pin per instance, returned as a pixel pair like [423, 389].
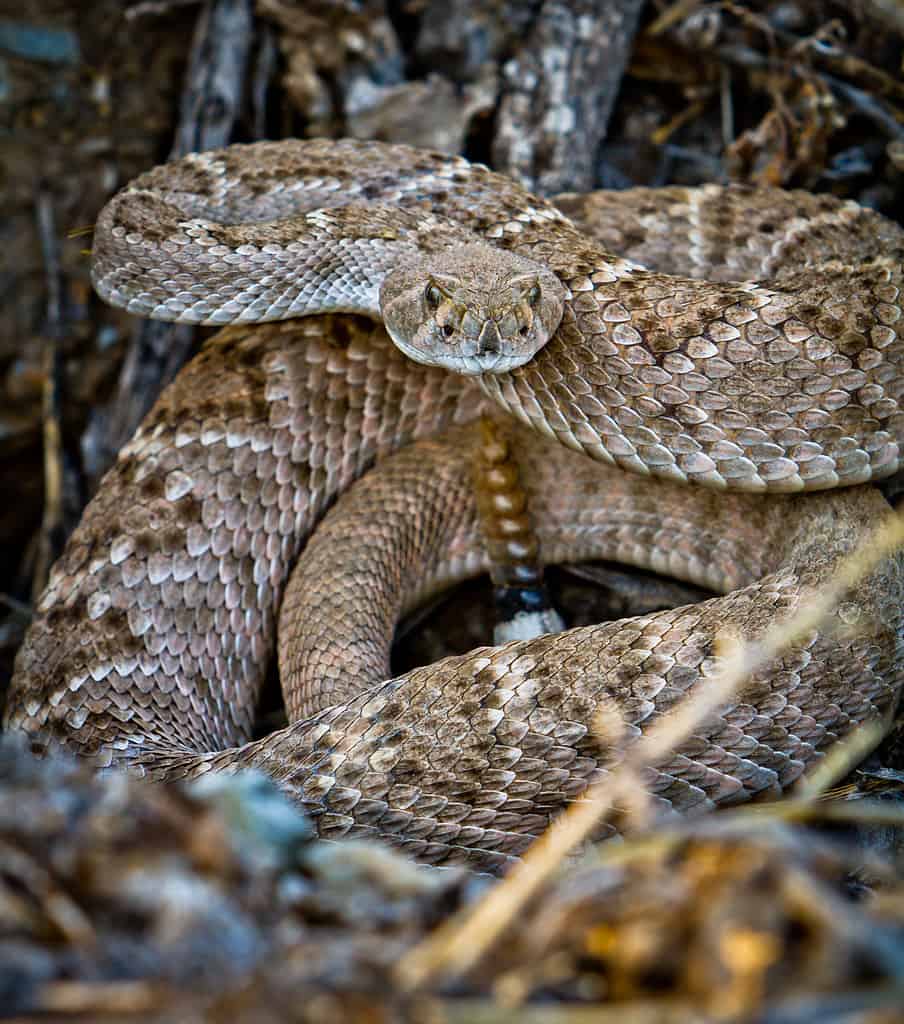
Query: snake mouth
[466, 365]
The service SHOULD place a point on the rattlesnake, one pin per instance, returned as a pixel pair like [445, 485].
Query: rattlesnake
[150, 643]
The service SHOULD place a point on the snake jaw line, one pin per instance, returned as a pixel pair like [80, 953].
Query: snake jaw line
[467, 366]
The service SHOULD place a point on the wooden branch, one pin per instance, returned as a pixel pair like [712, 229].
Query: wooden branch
[216, 76]
[52, 535]
[211, 102]
[559, 91]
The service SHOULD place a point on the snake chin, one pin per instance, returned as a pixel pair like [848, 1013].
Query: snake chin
[468, 366]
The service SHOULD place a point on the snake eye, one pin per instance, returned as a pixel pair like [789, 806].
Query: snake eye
[433, 296]
[533, 295]
[448, 330]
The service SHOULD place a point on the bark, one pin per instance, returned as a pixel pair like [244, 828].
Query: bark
[211, 104]
[559, 91]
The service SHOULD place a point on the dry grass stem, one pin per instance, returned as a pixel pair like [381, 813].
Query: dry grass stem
[83, 997]
[671, 16]
[841, 758]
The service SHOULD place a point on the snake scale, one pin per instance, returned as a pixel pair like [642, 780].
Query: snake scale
[744, 340]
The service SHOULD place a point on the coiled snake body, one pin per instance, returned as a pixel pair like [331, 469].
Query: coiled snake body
[150, 643]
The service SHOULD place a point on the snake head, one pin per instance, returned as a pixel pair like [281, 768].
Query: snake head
[473, 309]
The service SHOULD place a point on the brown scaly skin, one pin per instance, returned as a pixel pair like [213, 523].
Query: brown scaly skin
[156, 625]
[150, 643]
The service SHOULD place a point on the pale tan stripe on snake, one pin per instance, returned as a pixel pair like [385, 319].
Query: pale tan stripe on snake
[151, 640]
